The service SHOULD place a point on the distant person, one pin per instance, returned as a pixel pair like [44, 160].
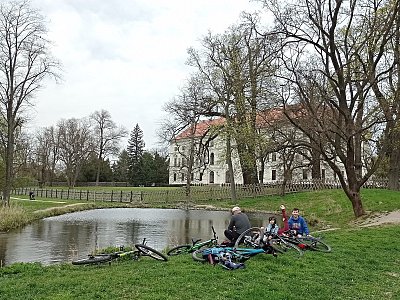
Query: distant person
[298, 224]
[238, 224]
[31, 195]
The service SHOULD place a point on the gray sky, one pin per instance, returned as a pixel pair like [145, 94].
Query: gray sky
[125, 56]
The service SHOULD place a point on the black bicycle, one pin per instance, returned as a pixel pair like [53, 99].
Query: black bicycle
[306, 242]
[141, 250]
[254, 237]
[196, 245]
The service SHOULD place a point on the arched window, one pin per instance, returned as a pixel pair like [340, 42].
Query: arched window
[211, 158]
[211, 177]
[174, 176]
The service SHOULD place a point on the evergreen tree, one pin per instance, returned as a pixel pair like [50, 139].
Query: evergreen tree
[160, 169]
[135, 152]
[121, 167]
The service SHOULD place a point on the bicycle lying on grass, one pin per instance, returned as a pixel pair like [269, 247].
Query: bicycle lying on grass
[196, 245]
[141, 250]
[253, 237]
[235, 254]
[306, 242]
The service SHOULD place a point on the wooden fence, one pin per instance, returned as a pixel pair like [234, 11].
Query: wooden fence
[198, 193]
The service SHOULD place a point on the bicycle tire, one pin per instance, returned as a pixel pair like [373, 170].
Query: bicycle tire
[316, 244]
[284, 247]
[93, 259]
[253, 233]
[148, 251]
[198, 255]
[182, 249]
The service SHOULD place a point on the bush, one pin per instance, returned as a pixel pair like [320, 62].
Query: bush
[12, 217]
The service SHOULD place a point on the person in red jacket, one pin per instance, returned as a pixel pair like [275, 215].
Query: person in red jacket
[284, 221]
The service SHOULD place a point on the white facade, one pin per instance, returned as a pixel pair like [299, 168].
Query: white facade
[214, 170]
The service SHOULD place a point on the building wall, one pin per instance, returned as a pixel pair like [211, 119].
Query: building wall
[214, 172]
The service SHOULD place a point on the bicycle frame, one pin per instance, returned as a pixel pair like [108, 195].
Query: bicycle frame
[196, 245]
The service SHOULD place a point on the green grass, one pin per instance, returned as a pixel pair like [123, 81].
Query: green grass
[364, 264]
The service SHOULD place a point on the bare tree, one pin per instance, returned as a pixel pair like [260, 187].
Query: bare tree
[181, 128]
[76, 145]
[107, 137]
[332, 57]
[47, 153]
[237, 66]
[25, 61]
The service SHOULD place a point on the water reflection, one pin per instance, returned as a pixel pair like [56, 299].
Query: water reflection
[67, 237]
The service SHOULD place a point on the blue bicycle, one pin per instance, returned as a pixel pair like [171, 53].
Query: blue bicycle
[235, 254]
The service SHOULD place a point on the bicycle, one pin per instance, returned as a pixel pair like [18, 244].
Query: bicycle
[235, 254]
[196, 245]
[141, 250]
[253, 237]
[306, 242]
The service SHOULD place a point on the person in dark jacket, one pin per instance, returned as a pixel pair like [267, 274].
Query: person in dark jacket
[298, 224]
[238, 224]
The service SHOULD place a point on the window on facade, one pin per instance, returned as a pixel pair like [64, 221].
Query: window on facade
[201, 177]
[211, 177]
[179, 162]
[323, 173]
[273, 174]
[305, 174]
[176, 149]
[183, 148]
[175, 162]
[273, 156]
[267, 158]
[182, 176]
[227, 177]
[211, 158]
[260, 176]
[211, 143]
[192, 176]
[183, 162]
[174, 176]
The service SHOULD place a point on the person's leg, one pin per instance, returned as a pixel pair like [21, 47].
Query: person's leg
[228, 234]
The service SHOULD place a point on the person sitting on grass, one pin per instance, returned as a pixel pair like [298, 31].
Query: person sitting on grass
[238, 224]
[297, 224]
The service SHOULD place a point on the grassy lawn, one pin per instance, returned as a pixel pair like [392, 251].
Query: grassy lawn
[364, 263]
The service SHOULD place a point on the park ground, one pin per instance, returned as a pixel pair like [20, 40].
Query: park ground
[364, 263]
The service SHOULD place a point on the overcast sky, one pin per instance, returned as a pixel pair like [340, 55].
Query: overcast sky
[125, 56]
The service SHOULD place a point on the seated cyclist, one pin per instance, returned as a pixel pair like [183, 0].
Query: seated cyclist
[297, 224]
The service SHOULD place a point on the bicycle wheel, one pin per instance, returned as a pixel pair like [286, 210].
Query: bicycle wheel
[283, 247]
[93, 259]
[198, 256]
[179, 250]
[316, 244]
[249, 237]
[148, 251]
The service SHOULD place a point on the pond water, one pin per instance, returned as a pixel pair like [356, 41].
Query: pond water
[71, 236]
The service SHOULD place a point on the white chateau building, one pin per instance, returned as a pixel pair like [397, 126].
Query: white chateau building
[213, 168]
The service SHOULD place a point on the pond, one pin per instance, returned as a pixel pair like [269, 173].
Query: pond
[70, 236]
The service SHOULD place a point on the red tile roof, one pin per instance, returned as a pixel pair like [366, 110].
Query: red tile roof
[263, 119]
[201, 128]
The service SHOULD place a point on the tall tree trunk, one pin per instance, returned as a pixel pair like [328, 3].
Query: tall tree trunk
[394, 162]
[230, 167]
[9, 164]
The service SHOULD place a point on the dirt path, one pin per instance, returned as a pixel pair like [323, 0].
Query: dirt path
[379, 219]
